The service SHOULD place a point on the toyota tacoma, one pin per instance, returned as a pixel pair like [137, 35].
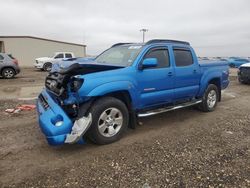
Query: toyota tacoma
[101, 98]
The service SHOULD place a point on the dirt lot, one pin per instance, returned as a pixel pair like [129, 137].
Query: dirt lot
[184, 148]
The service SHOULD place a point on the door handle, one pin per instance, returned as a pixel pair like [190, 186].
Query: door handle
[170, 74]
[194, 71]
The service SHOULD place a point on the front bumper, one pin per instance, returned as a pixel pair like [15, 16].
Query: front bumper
[244, 77]
[56, 124]
[38, 65]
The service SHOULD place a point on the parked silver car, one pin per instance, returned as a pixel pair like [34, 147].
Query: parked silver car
[8, 66]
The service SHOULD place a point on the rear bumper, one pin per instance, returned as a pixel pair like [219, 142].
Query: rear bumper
[18, 70]
[49, 113]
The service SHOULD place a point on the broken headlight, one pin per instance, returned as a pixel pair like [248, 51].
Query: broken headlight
[76, 84]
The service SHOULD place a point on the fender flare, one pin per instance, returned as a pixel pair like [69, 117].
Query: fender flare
[206, 79]
[116, 86]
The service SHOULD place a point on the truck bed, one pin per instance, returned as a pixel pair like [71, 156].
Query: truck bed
[211, 63]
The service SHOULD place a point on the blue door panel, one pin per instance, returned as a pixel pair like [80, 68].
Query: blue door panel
[187, 80]
[155, 86]
[158, 97]
[186, 92]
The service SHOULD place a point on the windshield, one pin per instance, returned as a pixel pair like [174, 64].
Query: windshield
[120, 55]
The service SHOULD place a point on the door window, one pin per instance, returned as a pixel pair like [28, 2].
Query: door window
[1, 57]
[59, 56]
[183, 57]
[68, 55]
[161, 55]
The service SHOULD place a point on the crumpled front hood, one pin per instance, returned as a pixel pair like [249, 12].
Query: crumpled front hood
[87, 67]
[57, 66]
[57, 82]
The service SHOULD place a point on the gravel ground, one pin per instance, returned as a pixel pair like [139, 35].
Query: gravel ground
[184, 148]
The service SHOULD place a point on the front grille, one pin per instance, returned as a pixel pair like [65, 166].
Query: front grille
[56, 83]
[245, 71]
[43, 101]
[53, 83]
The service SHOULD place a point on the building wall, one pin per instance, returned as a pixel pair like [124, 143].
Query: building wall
[26, 50]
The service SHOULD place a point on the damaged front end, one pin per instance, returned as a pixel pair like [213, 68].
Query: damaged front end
[63, 114]
[56, 124]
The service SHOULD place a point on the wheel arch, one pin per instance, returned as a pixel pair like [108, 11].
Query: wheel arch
[47, 62]
[124, 96]
[216, 81]
[210, 77]
[7, 67]
[123, 89]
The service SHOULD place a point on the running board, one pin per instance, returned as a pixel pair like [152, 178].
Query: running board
[162, 110]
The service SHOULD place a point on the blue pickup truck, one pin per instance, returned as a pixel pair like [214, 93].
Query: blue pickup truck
[101, 98]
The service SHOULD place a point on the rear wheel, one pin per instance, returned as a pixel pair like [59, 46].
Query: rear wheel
[47, 67]
[210, 98]
[8, 73]
[110, 120]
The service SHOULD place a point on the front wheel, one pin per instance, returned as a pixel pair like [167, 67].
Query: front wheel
[47, 67]
[8, 73]
[210, 98]
[110, 120]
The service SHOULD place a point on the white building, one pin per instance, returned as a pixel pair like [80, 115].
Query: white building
[27, 48]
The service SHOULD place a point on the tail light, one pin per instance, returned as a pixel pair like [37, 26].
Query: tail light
[15, 61]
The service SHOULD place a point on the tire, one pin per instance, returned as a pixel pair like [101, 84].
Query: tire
[241, 81]
[8, 73]
[209, 99]
[47, 67]
[107, 128]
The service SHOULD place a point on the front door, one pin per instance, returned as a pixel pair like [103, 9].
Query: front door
[156, 84]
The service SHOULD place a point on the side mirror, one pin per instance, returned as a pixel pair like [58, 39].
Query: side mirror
[149, 62]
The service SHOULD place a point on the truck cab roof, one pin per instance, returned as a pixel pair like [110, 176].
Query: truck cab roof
[154, 41]
[63, 52]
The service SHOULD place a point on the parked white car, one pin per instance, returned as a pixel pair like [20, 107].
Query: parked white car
[45, 63]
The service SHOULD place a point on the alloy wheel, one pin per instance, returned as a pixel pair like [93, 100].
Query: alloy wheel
[211, 98]
[110, 122]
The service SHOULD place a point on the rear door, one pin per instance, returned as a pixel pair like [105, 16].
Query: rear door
[156, 84]
[187, 74]
[68, 56]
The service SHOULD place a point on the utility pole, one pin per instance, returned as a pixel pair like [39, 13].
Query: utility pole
[143, 34]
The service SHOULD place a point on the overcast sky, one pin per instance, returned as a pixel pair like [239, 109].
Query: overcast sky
[214, 27]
